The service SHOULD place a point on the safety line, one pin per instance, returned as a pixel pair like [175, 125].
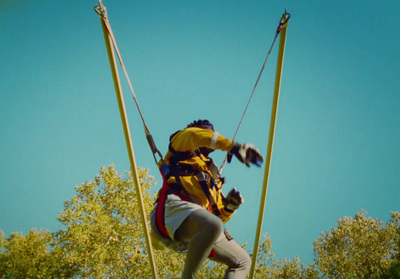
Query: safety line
[285, 17]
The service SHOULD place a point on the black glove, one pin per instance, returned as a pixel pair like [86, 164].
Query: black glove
[233, 200]
[246, 153]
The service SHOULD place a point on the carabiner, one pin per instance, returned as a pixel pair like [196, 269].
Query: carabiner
[284, 19]
[100, 9]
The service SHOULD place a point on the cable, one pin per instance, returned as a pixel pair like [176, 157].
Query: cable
[102, 12]
[285, 17]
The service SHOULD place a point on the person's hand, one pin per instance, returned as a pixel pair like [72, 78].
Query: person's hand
[233, 200]
[246, 153]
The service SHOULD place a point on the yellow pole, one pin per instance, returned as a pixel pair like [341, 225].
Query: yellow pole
[128, 140]
[278, 78]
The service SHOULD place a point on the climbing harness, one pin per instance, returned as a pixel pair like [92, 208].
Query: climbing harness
[284, 19]
[207, 181]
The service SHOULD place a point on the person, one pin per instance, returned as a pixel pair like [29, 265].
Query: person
[191, 210]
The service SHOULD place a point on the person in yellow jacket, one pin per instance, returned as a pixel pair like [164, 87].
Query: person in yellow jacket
[191, 209]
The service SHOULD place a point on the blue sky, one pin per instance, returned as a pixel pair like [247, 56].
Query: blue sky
[338, 130]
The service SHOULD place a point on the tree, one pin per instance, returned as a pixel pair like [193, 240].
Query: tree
[31, 256]
[268, 266]
[359, 247]
[394, 270]
[102, 237]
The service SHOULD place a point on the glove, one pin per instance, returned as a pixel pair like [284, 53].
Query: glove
[246, 153]
[233, 200]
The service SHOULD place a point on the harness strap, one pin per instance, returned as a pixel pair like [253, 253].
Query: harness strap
[165, 190]
[177, 189]
[160, 209]
[177, 170]
[181, 156]
[212, 205]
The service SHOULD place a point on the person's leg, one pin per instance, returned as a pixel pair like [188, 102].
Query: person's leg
[201, 229]
[235, 257]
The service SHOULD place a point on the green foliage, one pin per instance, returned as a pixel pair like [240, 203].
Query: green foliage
[359, 247]
[268, 266]
[394, 270]
[102, 237]
[34, 255]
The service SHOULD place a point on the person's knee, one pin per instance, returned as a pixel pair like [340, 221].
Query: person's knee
[211, 225]
[200, 222]
[242, 262]
[214, 227]
[246, 262]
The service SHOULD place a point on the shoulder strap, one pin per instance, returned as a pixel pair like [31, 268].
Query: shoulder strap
[180, 156]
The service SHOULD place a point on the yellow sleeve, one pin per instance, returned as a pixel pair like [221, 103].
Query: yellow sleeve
[193, 138]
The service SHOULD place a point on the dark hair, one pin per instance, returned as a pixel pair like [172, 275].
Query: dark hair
[205, 124]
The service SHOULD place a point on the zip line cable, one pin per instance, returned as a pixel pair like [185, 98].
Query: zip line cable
[285, 17]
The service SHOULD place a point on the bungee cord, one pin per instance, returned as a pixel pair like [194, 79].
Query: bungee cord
[102, 12]
[285, 17]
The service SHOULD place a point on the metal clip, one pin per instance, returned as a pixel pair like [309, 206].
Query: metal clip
[100, 9]
[284, 19]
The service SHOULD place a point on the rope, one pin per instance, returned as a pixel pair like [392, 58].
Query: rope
[102, 12]
[285, 17]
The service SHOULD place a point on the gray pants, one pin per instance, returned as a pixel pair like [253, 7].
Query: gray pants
[202, 230]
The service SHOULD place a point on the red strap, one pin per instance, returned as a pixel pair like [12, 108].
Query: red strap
[160, 207]
[212, 254]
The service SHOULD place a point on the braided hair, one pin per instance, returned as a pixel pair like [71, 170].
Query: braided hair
[205, 124]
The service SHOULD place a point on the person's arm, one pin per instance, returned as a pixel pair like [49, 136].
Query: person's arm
[193, 138]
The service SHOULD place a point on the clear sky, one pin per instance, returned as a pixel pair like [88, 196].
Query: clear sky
[338, 130]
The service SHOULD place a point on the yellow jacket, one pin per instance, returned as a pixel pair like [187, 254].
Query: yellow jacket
[203, 184]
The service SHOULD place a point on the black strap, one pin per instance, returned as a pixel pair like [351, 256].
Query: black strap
[206, 181]
[181, 156]
[205, 186]
[180, 170]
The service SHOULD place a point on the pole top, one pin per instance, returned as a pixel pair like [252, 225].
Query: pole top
[285, 17]
[100, 9]
[284, 20]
